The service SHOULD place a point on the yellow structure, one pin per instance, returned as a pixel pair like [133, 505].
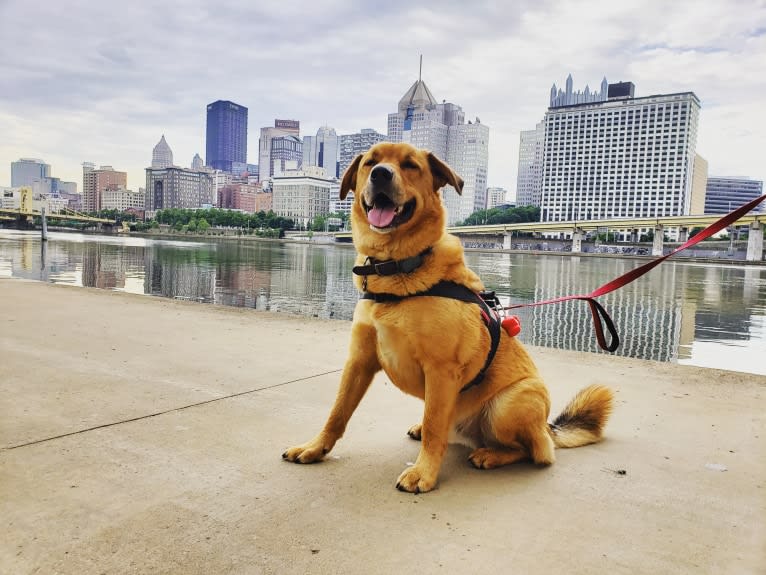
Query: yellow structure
[25, 204]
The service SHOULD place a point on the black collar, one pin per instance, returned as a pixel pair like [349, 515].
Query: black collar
[391, 267]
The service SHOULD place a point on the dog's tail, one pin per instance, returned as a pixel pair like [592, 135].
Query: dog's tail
[584, 418]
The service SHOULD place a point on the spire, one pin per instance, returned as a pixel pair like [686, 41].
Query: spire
[418, 96]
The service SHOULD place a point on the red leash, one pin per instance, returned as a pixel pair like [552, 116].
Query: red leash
[597, 310]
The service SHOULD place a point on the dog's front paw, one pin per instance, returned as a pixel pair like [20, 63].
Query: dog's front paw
[414, 480]
[415, 432]
[311, 452]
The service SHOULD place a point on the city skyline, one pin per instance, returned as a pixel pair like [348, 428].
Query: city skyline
[115, 97]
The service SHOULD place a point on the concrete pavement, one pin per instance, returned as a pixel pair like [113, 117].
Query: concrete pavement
[143, 435]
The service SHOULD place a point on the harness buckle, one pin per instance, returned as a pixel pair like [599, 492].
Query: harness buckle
[491, 299]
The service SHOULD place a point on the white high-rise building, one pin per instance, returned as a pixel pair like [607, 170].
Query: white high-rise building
[441, 129]
[351, 145]
[301, 195]
[121, 199]
[529, 179]
[496, 197]
[322, 150]
[162, 155]
[467, 155]
[620, 158]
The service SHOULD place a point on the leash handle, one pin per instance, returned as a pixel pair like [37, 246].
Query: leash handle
[600, 316]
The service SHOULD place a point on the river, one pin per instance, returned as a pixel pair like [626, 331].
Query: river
[709, 315]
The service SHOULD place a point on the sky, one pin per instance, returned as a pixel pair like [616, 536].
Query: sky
[101, 81]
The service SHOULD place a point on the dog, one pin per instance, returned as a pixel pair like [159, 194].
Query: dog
[434, 345]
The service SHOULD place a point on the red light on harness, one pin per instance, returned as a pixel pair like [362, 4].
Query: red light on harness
[511, 325]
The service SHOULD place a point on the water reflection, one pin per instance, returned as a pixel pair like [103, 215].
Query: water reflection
[711, 315]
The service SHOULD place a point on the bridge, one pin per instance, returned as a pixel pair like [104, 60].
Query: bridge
[64, 214]
[25, 211]
[576, 229]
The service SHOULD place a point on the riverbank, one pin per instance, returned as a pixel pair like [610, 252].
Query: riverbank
[327, 239]
[143, 435]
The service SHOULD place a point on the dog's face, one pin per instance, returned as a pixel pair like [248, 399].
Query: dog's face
[396, 190]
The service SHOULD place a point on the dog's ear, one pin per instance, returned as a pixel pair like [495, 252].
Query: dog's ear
[444, 175]
[349, 178]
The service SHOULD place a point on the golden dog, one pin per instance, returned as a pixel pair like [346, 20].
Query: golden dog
[433, 347]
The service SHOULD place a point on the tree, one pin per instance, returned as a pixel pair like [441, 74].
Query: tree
[503, 216]
[318, 224]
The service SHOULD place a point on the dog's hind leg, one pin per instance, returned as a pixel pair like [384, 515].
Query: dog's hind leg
[491, 457]
[416, 431]
[516, 427]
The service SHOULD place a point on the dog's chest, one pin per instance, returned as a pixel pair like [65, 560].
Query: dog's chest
[396, 351]
[429, 335]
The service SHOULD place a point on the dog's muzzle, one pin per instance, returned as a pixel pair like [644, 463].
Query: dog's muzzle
[383, 213]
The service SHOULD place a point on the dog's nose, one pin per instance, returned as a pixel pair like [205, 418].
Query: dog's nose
[381, 174]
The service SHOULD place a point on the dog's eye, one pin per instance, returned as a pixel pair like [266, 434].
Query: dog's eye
[408, 165]
[370, 162]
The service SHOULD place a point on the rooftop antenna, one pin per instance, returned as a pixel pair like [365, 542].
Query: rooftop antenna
[420, 72]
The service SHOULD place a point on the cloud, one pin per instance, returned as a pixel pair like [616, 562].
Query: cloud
[102, 82]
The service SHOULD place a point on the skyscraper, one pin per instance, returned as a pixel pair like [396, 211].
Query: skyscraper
[162, 155]
[286, 154]
[26, 171]
[441, 128]
[322, 150]
[568, 97]
[96, 181]
[197, 163]
[468, 156]
[226, 135]
[351, 145]
[619, 158]
[529, 179]
[496, 197]
[281, 128]
[176, 187]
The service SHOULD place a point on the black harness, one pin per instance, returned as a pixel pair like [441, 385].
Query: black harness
[446, 289]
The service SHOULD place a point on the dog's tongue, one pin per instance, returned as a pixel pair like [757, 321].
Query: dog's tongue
[381, 217]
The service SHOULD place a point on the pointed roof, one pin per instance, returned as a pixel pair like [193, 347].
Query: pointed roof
[162, 155]
[162, 144]
[418, 96]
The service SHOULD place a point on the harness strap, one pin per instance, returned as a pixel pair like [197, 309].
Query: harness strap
[391, 267]
[459, 292]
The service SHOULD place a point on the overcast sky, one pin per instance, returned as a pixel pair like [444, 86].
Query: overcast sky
[101, 81]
